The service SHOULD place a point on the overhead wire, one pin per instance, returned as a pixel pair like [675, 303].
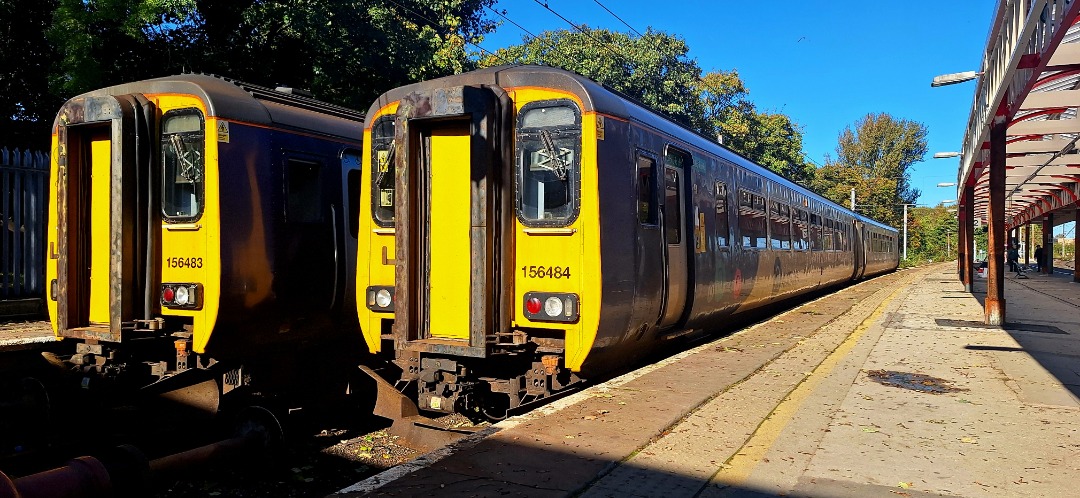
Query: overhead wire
[550, 45]
[579, 30]
[617, 17]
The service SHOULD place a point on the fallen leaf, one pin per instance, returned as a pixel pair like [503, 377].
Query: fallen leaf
[569, 436]
[869, 429]
[904, 485]
[969, 440]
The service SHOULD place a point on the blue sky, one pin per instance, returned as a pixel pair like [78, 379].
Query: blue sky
[823, 63]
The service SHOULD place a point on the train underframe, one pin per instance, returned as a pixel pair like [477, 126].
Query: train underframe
[510, 377]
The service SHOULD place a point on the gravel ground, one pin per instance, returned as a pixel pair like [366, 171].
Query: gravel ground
[318, 465]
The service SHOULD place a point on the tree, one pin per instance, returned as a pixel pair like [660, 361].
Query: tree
[26, 106]
[345, 52]
[931, 234]
[655, 70]
[874, 159]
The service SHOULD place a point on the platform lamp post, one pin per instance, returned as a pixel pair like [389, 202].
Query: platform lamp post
[954, 78]
[965, 241]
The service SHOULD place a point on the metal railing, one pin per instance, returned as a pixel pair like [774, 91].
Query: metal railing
[24, 178]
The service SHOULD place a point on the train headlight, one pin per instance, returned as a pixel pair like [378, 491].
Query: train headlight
[184, 296]
[380, 298]
[551, 307]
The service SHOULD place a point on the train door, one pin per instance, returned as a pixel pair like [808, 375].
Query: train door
[674, 225]
[104, 214]
[307, 256]
[451, 217]
[350, 229]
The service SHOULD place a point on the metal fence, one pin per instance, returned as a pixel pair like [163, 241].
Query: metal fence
[24, 177]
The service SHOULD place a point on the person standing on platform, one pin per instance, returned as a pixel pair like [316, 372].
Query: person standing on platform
[1013, 255]
[1039, 258]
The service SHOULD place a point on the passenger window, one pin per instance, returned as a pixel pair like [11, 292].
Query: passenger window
[382, 171]
[780, 226]
[672, 206]
[646, 190]
[304, 198]
[827, 236]
[752, 227]
[182, 144]
[815, 233]
[548, 144]
[723, 228]
[800, 233]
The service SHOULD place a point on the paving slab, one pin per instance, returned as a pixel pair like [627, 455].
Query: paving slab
[586, 444]
[827, 399]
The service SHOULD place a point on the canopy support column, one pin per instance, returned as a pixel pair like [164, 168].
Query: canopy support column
[995, 252]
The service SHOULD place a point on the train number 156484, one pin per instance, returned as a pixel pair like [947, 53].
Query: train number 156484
[545, 271]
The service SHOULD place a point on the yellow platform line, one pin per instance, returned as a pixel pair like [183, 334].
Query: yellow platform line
[737, 469]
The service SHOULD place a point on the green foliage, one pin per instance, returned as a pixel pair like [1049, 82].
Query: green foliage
[874, 158]
[654, 69]
[344, 51]
[26, 107]
[108, 41]
[931, 234]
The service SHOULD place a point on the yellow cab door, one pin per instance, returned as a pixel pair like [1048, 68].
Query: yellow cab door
[444, 149]
[450, 214]
[102, 227]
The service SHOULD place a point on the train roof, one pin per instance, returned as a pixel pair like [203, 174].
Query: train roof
[599, 98]
[238, 101]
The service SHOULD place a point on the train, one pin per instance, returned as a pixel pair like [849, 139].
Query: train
[201, 235]
[481, 241]
[524, 228]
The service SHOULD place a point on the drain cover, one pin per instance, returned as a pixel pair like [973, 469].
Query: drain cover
[1017, 327]
[914, 381]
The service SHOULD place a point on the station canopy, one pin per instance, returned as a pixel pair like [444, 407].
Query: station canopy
[1030, 77]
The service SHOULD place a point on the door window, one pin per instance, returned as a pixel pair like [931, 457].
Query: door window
[672, 206]
[304, 199]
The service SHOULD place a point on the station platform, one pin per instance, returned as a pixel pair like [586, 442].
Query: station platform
[891, 387]
[25, 334]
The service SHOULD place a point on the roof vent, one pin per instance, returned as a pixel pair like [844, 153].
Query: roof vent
[295, 91]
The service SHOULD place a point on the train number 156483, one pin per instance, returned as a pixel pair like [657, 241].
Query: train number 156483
[545, 271]
[184, 262]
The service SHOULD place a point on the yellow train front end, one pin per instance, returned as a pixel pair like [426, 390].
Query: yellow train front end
[480, 276]
[118, 264]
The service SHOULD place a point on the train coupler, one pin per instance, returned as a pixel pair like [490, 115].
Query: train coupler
[442, 388]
